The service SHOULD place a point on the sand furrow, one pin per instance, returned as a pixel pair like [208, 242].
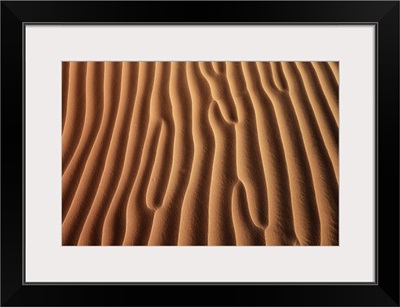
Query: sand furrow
[193, 229]
[75, 110]
[280, 230]
[92, 230]
[220, 224]
[335, 69]
[200, 153]
[323, 114]
[94, 111]
[160, 105]
[89, 183]
[114, 224]
[138, 216]
[151, 183]
[250, 168]
[65, 85]
[219, 67]
[220, 89]
[325, 183]
[305, 212]
[330, 86]
[278, 79]
[246, 233]
[166, 219]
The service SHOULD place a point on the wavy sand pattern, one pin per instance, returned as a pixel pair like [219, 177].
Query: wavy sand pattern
[200, 153]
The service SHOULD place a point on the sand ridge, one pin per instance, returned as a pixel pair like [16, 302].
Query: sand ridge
[200, 153]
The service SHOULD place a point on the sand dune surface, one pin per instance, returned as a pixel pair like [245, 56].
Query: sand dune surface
[200, 153]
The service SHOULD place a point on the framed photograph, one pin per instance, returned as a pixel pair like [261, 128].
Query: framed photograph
[242, 153]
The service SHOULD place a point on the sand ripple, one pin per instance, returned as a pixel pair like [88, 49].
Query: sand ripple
[200, 153]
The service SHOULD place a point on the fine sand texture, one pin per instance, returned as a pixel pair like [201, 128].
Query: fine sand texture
[200, 153]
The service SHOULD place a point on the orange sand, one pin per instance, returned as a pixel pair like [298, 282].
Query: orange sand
[209, 153]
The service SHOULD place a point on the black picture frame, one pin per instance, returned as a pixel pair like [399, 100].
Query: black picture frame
[383, 14]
